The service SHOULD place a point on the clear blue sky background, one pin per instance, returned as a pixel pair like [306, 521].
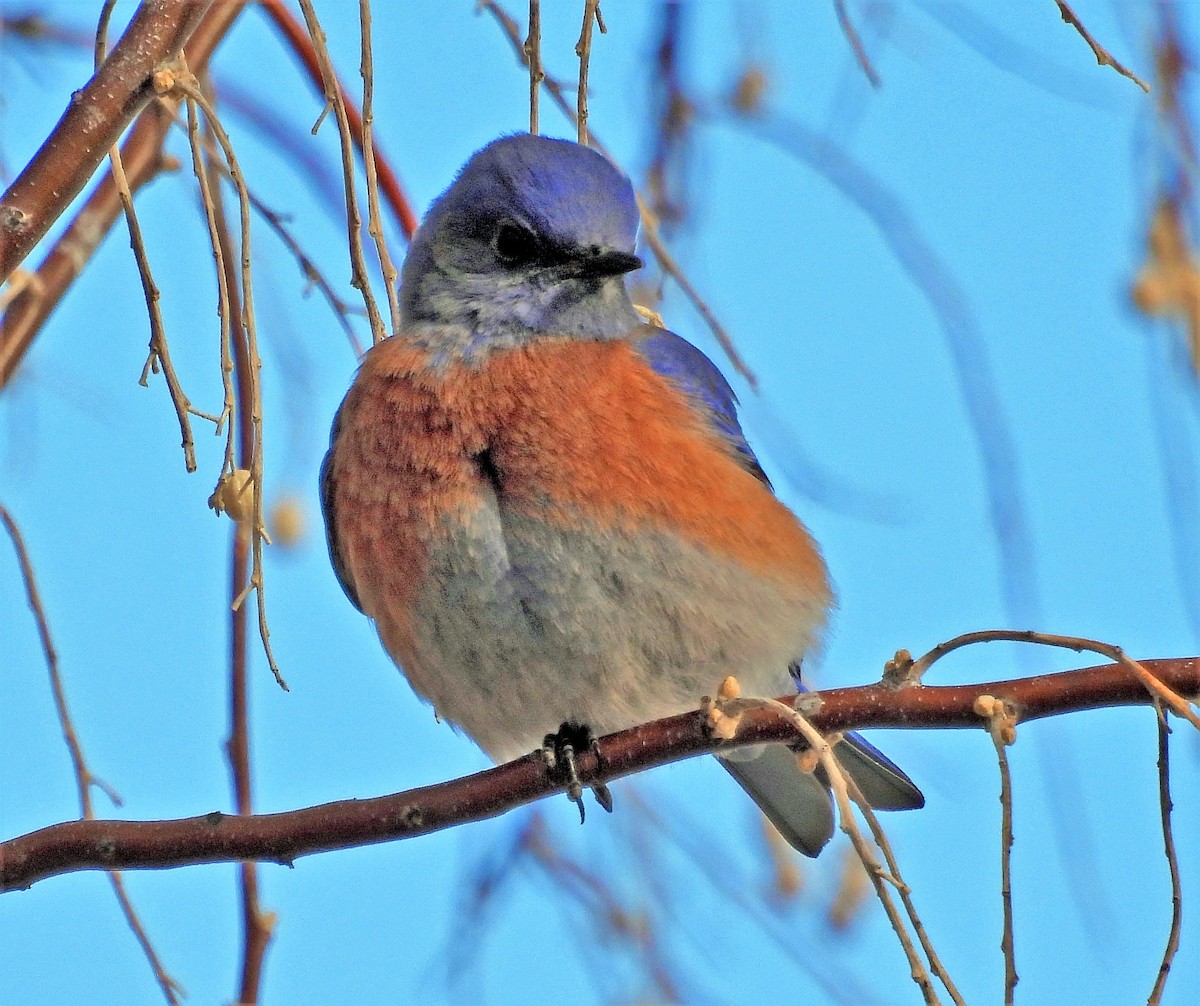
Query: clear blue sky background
[1023, 167]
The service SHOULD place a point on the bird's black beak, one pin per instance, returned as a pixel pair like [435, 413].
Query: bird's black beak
[596, 264]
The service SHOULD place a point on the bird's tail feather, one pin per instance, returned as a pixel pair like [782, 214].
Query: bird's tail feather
[798, 803]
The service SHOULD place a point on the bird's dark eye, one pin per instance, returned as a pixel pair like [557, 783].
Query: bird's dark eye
[514, 244]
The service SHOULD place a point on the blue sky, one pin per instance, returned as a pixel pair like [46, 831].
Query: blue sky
[1024, 169]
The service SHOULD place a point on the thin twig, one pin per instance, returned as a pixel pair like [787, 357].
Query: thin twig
[84, 779]
[257, 926]
[856, 45]
[905, 892]
[374, 220]
[880, 878]
[336, 100]
[1165, 807]
[159, 351]
[914, 672]
[202, 160]
[187, 87]
[533, 56]
[1002, 729]
[583, 49]
[302, 45]
[667, 263]
[1103, 56]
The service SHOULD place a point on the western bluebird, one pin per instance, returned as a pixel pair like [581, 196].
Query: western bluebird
[548, 507]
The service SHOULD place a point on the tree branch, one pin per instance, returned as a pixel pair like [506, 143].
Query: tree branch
[284, 837]
[142, 155]
[94, 120]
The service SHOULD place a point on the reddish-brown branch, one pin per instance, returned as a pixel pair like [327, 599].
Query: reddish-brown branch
[94, 120]
[282, 838]
[301, 44]
[141, 154]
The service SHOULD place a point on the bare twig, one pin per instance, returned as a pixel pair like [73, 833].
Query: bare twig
[667, 263]
[186, 86]
[159, 352]
[583, 49]
[84, 845]
[1165, 807]
[95, 118]
[84, 779]
[905, 892]
[374, 220]
[257, 926]
[533, 57]
[203, 159]
[1002, 720]
[856, 45]
[1103, 56]
[881, 880]
[302, 45]
[1153, 685]
[335, 99]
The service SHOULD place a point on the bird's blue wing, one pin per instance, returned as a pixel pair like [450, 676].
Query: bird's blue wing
[883, 783]
[327, 509]
[697, 376]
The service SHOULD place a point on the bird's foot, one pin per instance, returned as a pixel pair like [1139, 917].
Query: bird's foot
[558, 752]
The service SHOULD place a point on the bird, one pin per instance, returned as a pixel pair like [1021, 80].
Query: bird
[548, 507]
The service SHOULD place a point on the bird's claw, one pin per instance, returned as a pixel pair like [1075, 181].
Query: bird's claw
[558, 752]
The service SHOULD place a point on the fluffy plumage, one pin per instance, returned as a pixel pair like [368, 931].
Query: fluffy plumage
[549, 509]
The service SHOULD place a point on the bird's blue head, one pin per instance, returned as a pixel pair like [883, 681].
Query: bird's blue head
[533, 238]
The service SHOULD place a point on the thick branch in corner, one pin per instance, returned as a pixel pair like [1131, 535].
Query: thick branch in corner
[142, 155]
[94, 120]
[282, 838]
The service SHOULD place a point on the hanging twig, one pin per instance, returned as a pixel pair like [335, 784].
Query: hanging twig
[301, 44]
[374, 220]
[1165, 806]
[1002, 721]
[84, 778]
[335, 100]
[905, 892]
[187, 87]
[160, 354]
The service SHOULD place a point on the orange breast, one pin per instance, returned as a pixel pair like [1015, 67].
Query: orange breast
[580, 435]
[586, 434]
